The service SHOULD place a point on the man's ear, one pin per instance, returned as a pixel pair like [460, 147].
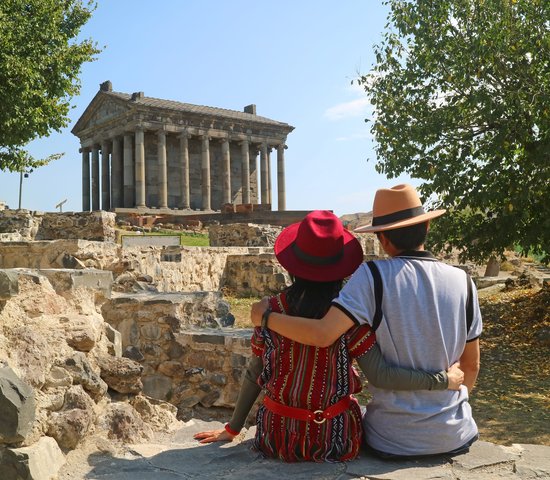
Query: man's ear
[428, 226]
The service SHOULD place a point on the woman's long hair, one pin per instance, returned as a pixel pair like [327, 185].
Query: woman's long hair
[306, 298]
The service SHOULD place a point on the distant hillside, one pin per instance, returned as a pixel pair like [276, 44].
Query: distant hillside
[354, 220]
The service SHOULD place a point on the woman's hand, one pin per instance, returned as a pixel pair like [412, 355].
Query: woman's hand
[258, 310]
[221, 435]
[455, 376]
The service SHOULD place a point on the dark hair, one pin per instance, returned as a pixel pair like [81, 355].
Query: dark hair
[407, 238]
[306, 298]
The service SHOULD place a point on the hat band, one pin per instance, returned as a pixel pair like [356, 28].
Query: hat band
[314, 259]
[397, 216]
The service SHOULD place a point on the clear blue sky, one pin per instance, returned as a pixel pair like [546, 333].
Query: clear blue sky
[294, 59]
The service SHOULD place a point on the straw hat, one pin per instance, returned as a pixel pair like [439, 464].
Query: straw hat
[397, 207]
[318, 248]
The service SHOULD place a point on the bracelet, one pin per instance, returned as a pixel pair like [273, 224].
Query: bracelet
[229, 430]
[265, 317]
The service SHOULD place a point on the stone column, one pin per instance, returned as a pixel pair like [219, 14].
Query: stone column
[184, 162]
[269, 175]
[263, 172]
[116, 174]
[129, 175]
[95, 178]
[281, 193]
[245, 177]
[140, 167]
[205, 156]
[163, 170]
[254, 175]
[85, 180]
[105, 177]
[226, 171]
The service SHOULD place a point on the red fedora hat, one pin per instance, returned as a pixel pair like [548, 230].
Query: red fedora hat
[318, 248]
[397, 207]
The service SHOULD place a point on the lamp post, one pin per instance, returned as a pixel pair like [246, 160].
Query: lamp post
[21, 175]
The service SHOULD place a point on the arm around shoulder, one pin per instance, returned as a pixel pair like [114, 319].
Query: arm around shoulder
[316, 332]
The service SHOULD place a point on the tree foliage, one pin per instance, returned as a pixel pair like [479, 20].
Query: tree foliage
[40, 61]
[461, 94]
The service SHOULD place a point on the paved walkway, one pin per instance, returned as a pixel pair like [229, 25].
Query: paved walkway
[177, 456]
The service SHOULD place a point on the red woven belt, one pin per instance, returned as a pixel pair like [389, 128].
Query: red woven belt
[318, 416]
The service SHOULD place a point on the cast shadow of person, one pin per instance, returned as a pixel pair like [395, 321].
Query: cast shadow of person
[237, 460]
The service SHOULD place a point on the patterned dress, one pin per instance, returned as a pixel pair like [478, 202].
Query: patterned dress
[312, 378]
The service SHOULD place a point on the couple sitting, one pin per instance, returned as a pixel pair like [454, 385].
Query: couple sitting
[405, 320]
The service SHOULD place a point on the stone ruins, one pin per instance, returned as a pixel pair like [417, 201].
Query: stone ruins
[171, 155]
[98, 338]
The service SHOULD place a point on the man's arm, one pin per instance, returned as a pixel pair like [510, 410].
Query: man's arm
[319, 333]
[470, 363]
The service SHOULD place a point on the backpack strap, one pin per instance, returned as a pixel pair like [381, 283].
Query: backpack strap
[469, 304]
[378, 294]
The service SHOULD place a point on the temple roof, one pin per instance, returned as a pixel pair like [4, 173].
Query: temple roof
[118, 103]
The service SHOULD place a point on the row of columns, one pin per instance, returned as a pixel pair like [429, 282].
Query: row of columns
[123, 182]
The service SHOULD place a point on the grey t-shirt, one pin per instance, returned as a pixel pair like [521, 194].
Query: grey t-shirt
[423, 327]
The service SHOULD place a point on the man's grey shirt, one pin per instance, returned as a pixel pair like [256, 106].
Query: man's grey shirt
[423, 327]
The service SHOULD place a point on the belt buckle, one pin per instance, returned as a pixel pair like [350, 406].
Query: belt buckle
[318, 415]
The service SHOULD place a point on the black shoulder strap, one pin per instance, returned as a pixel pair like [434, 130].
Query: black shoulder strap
[378, 293]
[469, 304]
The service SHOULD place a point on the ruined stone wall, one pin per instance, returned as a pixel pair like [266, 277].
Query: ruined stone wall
[21, 224]
[185, 360]
[61, 254]
[162, 269]
[255, 275]
[29, 225]
[243, 234]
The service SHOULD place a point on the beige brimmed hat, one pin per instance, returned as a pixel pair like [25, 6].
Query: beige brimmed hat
[397, 207]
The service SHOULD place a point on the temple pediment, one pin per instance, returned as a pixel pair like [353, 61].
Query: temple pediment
[103, 109]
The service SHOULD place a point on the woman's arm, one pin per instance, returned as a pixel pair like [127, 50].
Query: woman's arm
[319, 333]
[383, 375]
[247, 396]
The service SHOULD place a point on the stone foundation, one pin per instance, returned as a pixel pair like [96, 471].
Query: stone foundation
[98, 226]
[243, 234]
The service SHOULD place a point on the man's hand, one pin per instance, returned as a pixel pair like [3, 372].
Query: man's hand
[258, 310]
[455, 376]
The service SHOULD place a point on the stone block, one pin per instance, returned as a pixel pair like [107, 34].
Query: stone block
[209, 338]
[121, 374]
[534, 462]
[9, 284]
[17, 407]
[68, 279]
[69, 427]
[157, 386]
[115, 338]
[40, 461]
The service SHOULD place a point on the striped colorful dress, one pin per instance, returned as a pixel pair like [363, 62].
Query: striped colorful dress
[312, 378]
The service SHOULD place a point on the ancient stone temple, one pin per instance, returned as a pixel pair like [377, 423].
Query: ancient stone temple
[141, 152]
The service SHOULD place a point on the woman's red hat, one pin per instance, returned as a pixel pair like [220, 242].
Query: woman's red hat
[318, 248]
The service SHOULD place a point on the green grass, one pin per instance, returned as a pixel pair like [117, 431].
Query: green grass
[194, 240]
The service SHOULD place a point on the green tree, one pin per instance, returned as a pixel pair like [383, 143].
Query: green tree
[40, 61]
[461, 95]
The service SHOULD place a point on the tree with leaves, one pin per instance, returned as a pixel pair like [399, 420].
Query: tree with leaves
[40, 61]
[461, 95]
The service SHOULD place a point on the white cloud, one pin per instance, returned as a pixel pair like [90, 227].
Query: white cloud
[354, 108]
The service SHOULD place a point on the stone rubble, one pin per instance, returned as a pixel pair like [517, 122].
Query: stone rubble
[105, 348]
